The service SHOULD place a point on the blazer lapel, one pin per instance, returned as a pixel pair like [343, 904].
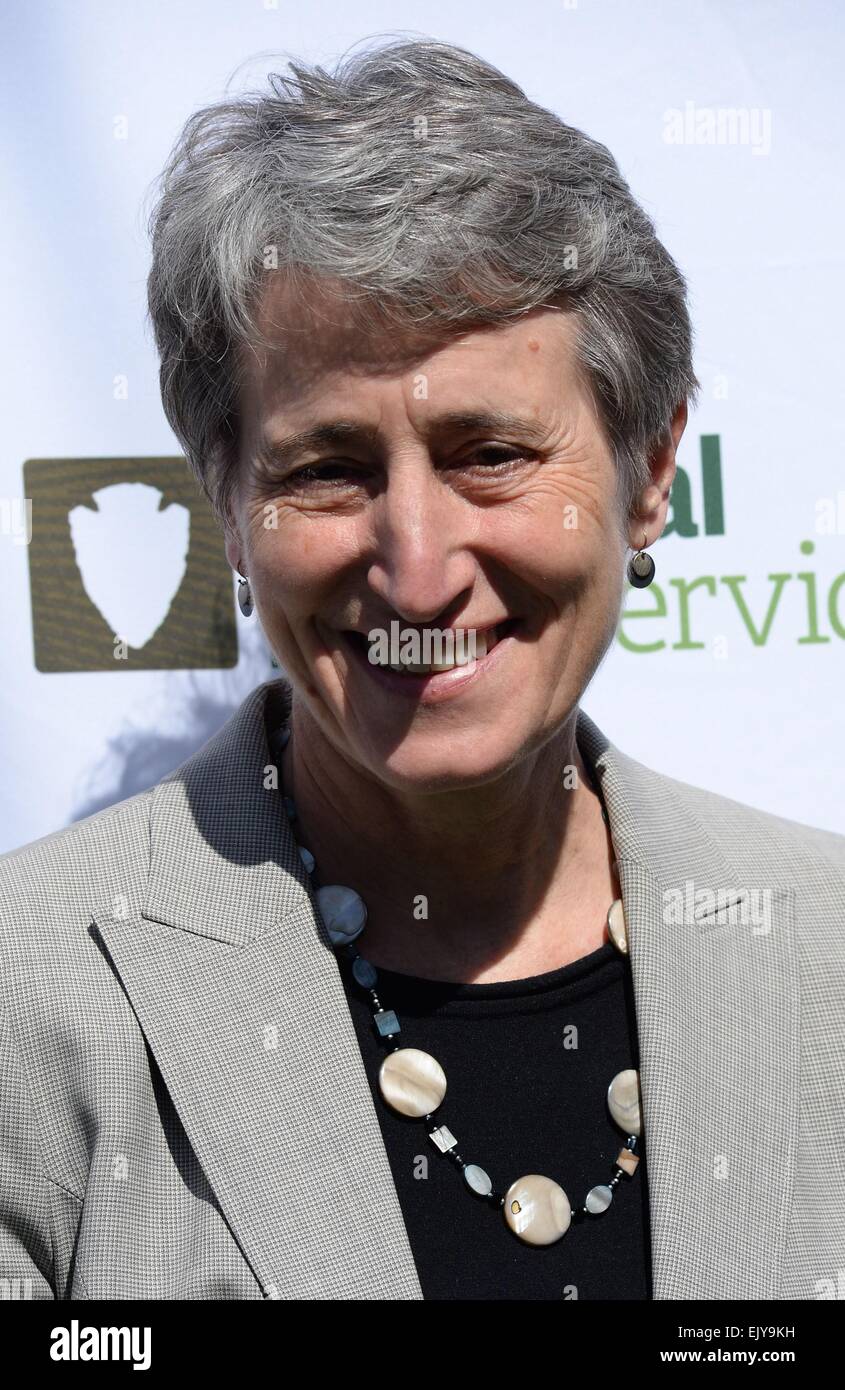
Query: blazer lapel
[236, 987]
[716, 996]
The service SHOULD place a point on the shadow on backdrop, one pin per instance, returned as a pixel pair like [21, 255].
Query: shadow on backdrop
[197, 704]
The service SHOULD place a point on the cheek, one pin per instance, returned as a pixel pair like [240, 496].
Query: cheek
[554, 538]
[288, 555]
[297, 566]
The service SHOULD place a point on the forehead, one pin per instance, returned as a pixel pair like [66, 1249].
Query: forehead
[319, 340]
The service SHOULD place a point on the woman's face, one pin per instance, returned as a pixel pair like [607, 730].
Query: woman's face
[467, 488]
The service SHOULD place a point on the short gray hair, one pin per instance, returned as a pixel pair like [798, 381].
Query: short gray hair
[444, 199]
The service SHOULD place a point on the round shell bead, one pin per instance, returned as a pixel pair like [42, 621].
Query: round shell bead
[623, 1100]
[412, 1082]
[343, 911]
[599, 1199]
[537, 1209]
[617, 927]
[478, 1180]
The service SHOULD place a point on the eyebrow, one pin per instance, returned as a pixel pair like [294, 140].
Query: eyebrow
[334, 432]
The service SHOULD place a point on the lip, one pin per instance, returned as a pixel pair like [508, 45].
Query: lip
[439, 685]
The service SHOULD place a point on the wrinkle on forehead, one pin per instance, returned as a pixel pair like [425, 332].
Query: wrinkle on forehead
[318, 327]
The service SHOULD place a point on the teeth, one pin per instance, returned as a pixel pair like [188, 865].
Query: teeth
[484, 642]
[417, 669]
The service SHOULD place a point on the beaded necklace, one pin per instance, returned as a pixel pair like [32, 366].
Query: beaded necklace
[413, 1083]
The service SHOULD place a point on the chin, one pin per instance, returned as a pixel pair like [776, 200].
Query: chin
[445, 765]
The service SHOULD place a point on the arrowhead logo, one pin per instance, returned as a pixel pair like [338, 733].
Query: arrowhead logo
[127, 566]
[132, 556]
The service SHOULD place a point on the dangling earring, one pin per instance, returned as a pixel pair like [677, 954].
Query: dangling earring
[641, 567]
[245, 597]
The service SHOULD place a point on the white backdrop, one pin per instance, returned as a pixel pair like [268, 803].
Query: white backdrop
[750, 204]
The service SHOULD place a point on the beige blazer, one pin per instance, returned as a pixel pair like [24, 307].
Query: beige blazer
[185, 1113]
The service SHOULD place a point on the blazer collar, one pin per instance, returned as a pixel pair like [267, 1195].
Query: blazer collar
[236, 987]
[717, 1006]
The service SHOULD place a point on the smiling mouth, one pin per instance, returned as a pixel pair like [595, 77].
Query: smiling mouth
[485, 641]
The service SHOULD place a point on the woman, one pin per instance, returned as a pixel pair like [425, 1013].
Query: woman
[410, 984]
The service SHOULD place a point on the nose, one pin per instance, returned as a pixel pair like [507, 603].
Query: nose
[422, 567]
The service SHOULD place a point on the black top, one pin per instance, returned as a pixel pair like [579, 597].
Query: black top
[522, 1098]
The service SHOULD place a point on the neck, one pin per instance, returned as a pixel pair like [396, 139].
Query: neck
[499, 881]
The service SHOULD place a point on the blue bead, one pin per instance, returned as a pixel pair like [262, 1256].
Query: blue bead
[386, 1022]
[365, 973]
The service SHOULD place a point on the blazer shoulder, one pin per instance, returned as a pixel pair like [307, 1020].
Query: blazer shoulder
[82, 839]
[751, 834]
[50, 886]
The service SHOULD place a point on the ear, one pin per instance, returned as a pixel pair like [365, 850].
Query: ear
[649, 515]
[233, 550]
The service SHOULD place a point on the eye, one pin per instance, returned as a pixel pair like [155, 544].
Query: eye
[497, 456]
[331, 471]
